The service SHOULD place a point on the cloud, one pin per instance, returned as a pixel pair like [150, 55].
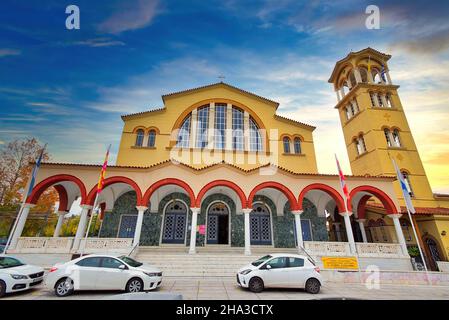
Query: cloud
[50, 108]
[9, 52]
[137, 14]
[99, 42]
[430, 44]
[21, 118]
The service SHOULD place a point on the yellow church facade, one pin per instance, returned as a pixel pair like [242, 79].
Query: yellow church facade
[217, 166]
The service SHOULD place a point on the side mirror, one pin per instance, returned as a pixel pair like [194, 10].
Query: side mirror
[268, 267]
[122, 267]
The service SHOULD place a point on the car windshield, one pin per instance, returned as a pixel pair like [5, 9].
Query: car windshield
[259, 261]
[8, 262]
[131, 262]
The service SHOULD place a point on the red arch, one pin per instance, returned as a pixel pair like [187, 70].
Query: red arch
[275, 185]
[362, 206]
[325, 188]
[43, 185]
[388, 204]
[221, 183]
[164, 182]
[63, 197]
[113, 180]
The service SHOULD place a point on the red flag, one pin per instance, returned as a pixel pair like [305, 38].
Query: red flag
[103, 172]
[344, 187]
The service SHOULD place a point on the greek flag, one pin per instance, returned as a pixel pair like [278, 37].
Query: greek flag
[406, 194]
[382, 74]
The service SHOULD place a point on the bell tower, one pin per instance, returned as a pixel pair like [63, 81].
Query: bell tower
[374, 124]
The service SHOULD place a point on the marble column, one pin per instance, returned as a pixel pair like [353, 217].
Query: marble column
[20, 225]
[80, 231]
[140, 212]
[362, 229]
[299, 240]
[399, 233]
[246, 213]
[192, 249]
[58, 227]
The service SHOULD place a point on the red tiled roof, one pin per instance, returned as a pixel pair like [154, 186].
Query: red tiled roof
[419, 210]
[213, 165]
[295, 122]
[141, 113]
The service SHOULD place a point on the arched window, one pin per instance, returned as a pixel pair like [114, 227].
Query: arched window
[139, 138]
[220, 125]
[396, 139]
[360, 145]
[255, 140]
[286, 141]
[237, 129]
[297, 145]
[407, 183]
[364, 75]
[183, 139]
[202, 126]
[348, 113]
[151, 138]
[389, 101]
[388, 137]
[380, 100]
[373, 98]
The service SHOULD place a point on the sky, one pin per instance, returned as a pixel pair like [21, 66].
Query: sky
[68, 88]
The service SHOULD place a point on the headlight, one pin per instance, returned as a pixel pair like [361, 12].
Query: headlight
[245, 272]
[152, 274]
[19, 276]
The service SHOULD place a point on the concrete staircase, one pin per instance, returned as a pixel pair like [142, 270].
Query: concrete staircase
[209, 262]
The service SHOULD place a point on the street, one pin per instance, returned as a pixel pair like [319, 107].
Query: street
[202, 289]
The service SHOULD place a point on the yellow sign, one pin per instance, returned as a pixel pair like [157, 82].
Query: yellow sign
[339, 263]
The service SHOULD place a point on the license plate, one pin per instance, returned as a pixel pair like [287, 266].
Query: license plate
[37, 280]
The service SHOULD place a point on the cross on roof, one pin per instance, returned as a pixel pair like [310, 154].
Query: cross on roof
[221, 77]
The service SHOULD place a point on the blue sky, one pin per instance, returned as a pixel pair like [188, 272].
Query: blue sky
[69, 87]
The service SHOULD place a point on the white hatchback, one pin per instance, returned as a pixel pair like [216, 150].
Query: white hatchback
[17, 276]
[102, 272]
[281, 271]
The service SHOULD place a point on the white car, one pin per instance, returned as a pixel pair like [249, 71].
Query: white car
[281, 271]
[102, 272]
[17, 276]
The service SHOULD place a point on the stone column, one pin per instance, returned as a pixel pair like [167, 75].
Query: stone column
[80, 231]
[388, 77]
[229, 127]
[299, 240]
[246, 213]
[211, 126]
[399, 233]
[57, 231]
[349, 233]
[245, 130]
[192, 249]
[362, 229]
[193, 128]
[141, 210]
[20, 225]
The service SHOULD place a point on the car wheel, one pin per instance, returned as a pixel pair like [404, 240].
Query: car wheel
[134, 285]
[256, 285]
[313, 286]
[64, 287]
[2, 288]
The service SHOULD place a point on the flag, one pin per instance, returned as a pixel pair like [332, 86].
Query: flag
[344, 187]
[405, 192]
[34, 172]
[103, 172]
[382, 73]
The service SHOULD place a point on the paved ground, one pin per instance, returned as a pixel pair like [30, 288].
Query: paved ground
[201, 289]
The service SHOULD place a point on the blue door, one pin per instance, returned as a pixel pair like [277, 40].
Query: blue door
[306, 230]
[127, 226]
[260, 225]
[175, 223]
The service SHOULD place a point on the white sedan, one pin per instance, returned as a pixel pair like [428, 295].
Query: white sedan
[17, 276]
[281, 271]
[102, 272]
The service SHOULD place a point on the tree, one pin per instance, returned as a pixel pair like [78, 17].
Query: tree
[16, 163]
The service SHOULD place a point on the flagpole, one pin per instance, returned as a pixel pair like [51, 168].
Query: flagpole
[25, 196]
[417, 241]
[88, 226]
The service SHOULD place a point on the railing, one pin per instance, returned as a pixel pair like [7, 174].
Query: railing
[323, 248]
[43, 245]
[379, 250]
[96, 245]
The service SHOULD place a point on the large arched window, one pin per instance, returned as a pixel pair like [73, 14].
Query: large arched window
[286, 142]
[184, 133]
[202, 125]
[237, 129]
[139, 138]
[255, 140]
[297, 145]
